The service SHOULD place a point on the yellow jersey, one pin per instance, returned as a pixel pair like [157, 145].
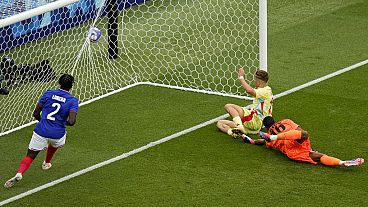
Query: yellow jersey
[262, 103]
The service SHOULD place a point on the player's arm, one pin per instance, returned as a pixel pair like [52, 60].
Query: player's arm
[245, 85]
[303, 134]
[71, 119]
[37, 112]
[297, 134]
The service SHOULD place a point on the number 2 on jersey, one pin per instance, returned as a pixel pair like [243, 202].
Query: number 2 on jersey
[50, 115]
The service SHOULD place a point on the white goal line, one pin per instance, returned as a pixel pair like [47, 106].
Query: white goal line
[160, 141]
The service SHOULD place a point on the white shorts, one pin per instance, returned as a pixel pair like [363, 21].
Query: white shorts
[39, 143]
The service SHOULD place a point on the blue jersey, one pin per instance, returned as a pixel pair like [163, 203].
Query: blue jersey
[56, 105]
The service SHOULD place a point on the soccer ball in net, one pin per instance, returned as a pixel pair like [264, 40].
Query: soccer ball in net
[94, 34]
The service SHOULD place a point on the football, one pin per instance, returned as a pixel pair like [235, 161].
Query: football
[94, 34]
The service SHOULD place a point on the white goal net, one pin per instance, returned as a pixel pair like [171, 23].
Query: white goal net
[195, 45]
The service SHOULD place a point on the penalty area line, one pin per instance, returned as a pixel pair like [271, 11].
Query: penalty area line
[178, 134]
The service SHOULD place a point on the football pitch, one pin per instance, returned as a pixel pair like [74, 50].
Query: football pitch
[203, 167]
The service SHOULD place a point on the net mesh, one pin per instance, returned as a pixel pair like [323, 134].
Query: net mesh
[191, 44]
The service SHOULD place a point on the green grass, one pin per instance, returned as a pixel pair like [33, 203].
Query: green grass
[318, 44]
[198, 45]
[307, 39]
[204, 167]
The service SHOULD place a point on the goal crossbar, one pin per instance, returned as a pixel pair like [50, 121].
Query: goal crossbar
[34, 12]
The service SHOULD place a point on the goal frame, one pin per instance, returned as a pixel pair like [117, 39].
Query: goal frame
[263, 64]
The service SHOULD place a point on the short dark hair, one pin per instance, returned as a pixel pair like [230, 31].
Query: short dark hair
[66, 81]
[262, 75]
[268, 121]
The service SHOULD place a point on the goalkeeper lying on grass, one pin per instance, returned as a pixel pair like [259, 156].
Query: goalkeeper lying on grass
[293, 141]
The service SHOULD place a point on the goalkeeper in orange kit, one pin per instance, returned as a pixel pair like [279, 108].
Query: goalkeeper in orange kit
[293, 141]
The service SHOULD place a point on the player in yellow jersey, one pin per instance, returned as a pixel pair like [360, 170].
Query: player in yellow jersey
[249, 121]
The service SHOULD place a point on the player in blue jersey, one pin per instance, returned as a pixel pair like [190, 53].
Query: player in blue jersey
[59, 109]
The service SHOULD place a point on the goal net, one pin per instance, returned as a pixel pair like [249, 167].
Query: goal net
[195, 45]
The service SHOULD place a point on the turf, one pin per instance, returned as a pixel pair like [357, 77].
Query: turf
[175, 43]
[316, 44]
[205, 167]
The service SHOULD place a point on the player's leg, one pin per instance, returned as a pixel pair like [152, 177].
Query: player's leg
[54, 144]
[237, 113]
[332, 161]
[229, 128]
[225, 125]
[36, 145]
[49, 154]
[234, 110]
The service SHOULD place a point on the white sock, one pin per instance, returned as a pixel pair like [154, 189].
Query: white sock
[230, 132]
[273, 137]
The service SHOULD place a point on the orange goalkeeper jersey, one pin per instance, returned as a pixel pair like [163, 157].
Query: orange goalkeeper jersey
[293, 149]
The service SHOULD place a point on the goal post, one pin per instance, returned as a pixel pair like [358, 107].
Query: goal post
[263, 35]
[196, 45]
[112, 25]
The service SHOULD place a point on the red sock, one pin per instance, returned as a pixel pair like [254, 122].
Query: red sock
[50, 153]
[24, 164]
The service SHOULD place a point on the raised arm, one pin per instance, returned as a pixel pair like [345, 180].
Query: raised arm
[245, 85]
